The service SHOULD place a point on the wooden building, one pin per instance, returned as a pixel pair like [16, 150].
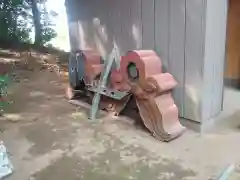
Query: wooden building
[188, 35]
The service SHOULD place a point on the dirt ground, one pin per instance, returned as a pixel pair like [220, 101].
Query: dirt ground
[50, 139]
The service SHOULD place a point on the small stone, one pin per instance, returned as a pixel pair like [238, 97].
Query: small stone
[2, 130]
[166, 175]
[107, 162]
[31, 178]
[12, 117]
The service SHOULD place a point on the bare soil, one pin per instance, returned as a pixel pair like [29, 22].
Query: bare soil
[50, 139]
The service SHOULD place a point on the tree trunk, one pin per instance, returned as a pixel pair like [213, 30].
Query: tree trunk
[37, 23]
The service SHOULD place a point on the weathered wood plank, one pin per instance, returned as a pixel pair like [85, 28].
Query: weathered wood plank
[216, 20]
[148, 15]
[194, 55]
[126, 40]
[136, 20]
[162, 17]
[177, 49]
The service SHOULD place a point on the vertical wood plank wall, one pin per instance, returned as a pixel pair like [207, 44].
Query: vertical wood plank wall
[175, 29]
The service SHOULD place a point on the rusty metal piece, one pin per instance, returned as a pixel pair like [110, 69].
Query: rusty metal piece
[90, 54]
[92, 65]
[152, 91]
[92, 69]
[147, 63]
[117, 82]
[140, 73]
[113, 106]
[159, 83]
[160, 116]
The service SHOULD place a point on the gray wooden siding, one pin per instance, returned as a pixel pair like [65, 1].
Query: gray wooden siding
[216, 18]
[181, 31]
[176, 58]
[194, 55]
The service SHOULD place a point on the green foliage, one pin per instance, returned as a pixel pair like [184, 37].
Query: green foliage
[12, 27]
[47, 35]
[4, 81]
[47, 19]
[17, 21]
